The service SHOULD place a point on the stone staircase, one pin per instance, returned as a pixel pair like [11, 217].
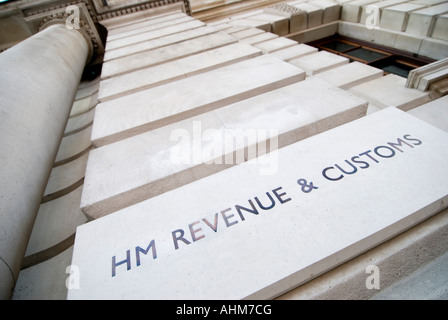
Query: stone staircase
[149, 134]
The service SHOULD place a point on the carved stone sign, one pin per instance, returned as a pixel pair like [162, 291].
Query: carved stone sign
[238, 234]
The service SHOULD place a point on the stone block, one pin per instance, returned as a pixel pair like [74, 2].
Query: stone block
[279, 24]
[331, 10]
[379, 5]
[135, 169]
[73, 146]
[327, 203]
[350, 75]
[441, 28]
[138, 23]
[247, 33]
[163, 73]
[434, 113]
[351, 11]
[56, 221]
[396, 17]
[314, 13]
[159, 42]
[184, 98]
[263, 25]
[146, 36]
[259, 38]
[148, 28]
[434, 48]
[421, 22]
[298, 19]
[164, 54]
[390, 91]
[147, 25]
[275, 44]
[318, 62]
[294, 52]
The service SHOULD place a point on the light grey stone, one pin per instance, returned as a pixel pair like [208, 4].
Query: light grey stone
[390, 91]
[350, 75]
[318, 62]
[316, 230]
[164, 54]
[181, 68]
[135, 169]
[294, 52]
[146, 36]
[396, 17]
[434, 112]
[184, 98]
[441, 27]
[275, 44]
[159, 42]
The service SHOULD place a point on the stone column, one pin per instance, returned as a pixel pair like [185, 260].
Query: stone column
[38, 82]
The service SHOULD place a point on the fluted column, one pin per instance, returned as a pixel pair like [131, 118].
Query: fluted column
[38, 81]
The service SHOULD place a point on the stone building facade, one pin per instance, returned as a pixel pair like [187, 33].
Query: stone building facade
[133, 134]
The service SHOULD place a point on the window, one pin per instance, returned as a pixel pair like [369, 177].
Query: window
[389, 60]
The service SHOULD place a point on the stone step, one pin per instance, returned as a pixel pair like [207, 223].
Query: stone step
[164, 54]
[434, 112]
[146, 36]
[421, 22]
[314, 12]
[380, 5]
[159, 42]
[65, 177]
[318, 62]
[331, 10]
[279, 24]
[350, 75]
[275, 44]
[396, 17]
[148, 28]
[296, 51]
[351, 11]
[181, 68]
[298, 19]
[440, 28]
[253, 40]
[144, 166]
[246, 33]
[390, 91]
[149, 109]
[307, 208]
[247, 22]
[146, 22]
[56, 221]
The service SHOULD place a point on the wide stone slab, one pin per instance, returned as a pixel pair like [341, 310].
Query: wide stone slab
[145, 27]
[434, 112]
[135, 169]
[396, 17]
[177, 69]
[159, 42]
[152, 108]
[145, 36]
[421, 22]
[350, 74]
[390, 91]
[275, 44]
[318, 62]
[246, 235]
[164, 54]
[296, 51]
[144, 22]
